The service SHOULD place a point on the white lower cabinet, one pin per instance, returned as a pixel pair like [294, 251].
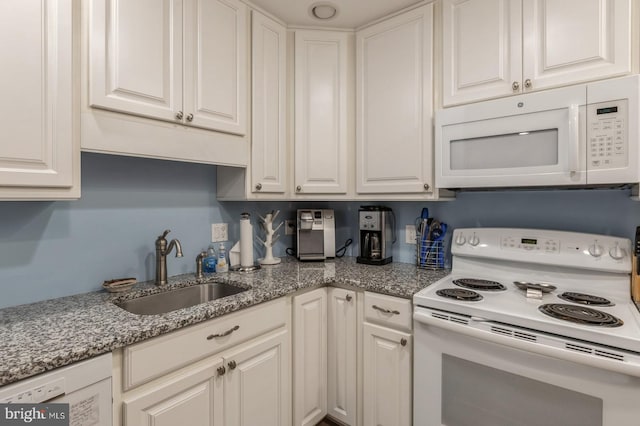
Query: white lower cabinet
[233, 384]
[342, 355]
[256, 383]
[310, 357]
[387, 376]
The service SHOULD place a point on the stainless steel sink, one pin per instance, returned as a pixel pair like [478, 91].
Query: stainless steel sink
[179, 298]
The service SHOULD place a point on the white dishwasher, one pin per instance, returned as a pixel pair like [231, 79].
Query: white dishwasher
[85, 386]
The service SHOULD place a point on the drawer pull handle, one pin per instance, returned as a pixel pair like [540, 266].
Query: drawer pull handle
[385, 311]
[232, 365]
[403, 342]
[221, 371]
[226, 333]
[349, 298]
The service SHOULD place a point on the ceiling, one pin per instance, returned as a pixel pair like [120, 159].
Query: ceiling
[351, 13]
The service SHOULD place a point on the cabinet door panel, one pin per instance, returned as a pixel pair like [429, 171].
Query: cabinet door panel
[310, 357]
[575, 40]
[387, 377]
[256, 387]
[394, 142]
[37, 146]
[268, 155]
[342, 345]
[193, 398]
[321, 112]
[215, 64]
[135, 54]
[482, 48]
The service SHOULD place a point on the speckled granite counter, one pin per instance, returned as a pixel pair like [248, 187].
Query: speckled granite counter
[42, 336]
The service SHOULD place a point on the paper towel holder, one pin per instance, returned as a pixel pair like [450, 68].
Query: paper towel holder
[245, 226]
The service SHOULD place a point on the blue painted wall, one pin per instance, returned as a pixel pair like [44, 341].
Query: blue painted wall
[53, 249]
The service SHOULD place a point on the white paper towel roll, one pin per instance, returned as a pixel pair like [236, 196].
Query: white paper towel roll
[246, 241]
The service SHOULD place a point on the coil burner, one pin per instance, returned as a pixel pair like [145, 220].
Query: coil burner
[477, 284]
[585, 299]
[580, 315]
[459, 294]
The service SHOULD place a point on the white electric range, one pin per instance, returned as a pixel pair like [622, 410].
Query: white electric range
[540, 319]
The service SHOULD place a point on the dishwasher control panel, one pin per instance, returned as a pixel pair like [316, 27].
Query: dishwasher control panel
[37, 394]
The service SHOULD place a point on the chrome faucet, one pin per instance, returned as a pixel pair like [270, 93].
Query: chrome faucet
[199, 259]
[162, 250]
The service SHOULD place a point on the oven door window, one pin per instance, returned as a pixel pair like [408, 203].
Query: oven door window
[477, 395]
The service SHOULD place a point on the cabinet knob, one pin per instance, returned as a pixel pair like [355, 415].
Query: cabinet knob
[515, 86]
[258, 186]
[426, 187]
[349, 298]
[403, 342]
[232, 365]
[298, 188]
[190, 117]
[528, 83]
[179, 115]
[221, 371]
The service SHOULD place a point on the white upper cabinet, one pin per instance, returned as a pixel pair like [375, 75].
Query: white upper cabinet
[268, 148]
[567, 41]
[494, 48]
[321, 112]
[39, 152]
[137, 63]
[394, 104]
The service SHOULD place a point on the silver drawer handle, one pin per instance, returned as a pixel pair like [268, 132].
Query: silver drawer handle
[386, 311]
[226, 333]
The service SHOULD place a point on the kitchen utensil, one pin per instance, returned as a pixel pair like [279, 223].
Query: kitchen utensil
[543, 287]
[118, 285]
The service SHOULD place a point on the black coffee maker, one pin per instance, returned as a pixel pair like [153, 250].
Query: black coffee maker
[377, 235]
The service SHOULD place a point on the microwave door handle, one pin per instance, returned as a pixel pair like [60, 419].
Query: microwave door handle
[574, 139]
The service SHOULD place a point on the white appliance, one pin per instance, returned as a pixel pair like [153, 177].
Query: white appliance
[488, 353]
[85, 386]
[580, 135]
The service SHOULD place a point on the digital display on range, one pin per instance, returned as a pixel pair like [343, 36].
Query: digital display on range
[607, 110]
[529, 241]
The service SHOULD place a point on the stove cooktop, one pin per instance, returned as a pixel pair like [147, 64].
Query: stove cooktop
[591, 301]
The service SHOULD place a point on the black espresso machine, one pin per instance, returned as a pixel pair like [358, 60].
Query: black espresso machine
[377, 234]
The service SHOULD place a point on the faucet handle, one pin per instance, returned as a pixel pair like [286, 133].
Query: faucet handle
[164, 234]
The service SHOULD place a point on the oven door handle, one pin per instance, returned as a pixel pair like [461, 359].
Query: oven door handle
[477, 330]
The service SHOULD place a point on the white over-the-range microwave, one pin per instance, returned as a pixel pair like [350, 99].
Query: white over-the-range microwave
[588, 134]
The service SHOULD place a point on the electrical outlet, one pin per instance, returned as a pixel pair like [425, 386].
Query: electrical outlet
[289, 227]
[219, 232]
[410, 234]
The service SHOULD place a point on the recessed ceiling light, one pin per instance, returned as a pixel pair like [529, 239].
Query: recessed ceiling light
[323, 10]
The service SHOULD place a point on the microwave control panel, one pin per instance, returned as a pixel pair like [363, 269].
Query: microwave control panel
[607, 135]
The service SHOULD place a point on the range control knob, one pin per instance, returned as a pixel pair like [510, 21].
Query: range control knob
[617, 253]
[595, 249]
[474, 240]
[460, 239]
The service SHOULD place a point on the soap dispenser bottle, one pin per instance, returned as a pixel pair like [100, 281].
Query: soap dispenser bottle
[222, 265]
[209, 262]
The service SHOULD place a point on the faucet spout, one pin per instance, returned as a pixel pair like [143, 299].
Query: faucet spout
[162, 250]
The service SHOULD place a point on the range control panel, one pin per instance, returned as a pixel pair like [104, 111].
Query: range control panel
[567, 249]
[607, 135]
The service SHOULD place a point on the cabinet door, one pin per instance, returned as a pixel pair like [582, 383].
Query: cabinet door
[268, 147]
[570, 41]
[135, 56]
[257, 383]
[341, 354]
[215, 65]
[39, 146]
[482, 49]
[387, 376]
[394, 102]
[192, 398]
[321, 138]
[309, 357]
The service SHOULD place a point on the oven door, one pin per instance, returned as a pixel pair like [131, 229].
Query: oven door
[466, 380]
[536, 139]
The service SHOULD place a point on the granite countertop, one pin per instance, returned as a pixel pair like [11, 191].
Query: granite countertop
[42, 336]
